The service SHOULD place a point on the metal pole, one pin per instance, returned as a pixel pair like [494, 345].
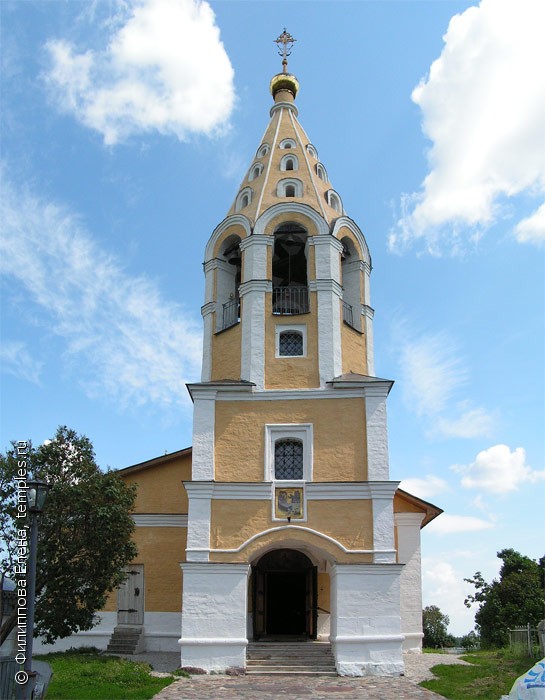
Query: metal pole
[31, 594]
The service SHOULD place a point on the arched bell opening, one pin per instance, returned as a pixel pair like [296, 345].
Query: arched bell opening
[289, 270]
[351, 283]
[284, 595]
[228, 283]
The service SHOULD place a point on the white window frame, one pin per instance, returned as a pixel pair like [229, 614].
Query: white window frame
[321, 169]
[282, 184]
[283, 163]
[312, 150]
[262, 150]
[287, 144]
[282, 329]
[246, 191]
[286, 431]
[252, 175]
[331, 195]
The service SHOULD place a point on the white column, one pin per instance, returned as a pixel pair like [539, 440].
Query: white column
[408, 547]
[368, 313]
[214, 616]
[377, 433]
[366, 634]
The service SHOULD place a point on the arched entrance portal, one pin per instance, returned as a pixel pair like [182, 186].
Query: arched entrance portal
[285, 594]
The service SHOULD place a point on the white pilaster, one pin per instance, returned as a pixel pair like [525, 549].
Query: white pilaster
[252, 367]
[408, 547]
[366, 634]
[382, 494]
[203, 434]
[214, 616]
[377, 433]
[368, 313]
[208, 312]
[199, 515]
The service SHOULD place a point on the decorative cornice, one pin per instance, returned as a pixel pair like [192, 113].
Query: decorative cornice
[283, 105]
[208, 308]
[323, 285]
[367, 311]
[216, 263]
[255, 286]
[329, 241]
[409, 519]
[256, 239]
[199, 567]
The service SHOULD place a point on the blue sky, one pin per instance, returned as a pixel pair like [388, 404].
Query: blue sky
[126, 129]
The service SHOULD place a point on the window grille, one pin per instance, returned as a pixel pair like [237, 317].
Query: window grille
[290, 343]
[288, 459]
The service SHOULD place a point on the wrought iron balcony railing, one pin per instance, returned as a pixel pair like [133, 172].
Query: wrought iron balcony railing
[231, 314]
[290, 301]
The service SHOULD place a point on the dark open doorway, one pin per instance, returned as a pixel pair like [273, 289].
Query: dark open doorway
[285, 596]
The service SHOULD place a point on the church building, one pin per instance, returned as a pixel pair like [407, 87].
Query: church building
[281, 521]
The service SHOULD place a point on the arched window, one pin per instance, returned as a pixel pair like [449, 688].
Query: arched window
[262, 150]
[288, 459]
[290, 343]
[321, 172]
[352, 282]
[290, 187]
[287, 143]
[334, 201]
[289, 270]
[255, 171]
[243, 199]
[312, 151]
[289, 162]
[228, 277]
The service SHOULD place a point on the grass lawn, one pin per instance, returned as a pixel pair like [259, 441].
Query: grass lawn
[491, 676]
[80, 676]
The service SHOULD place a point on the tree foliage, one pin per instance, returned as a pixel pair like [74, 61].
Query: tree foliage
[84, 532]
[516, 599]
[435, 627]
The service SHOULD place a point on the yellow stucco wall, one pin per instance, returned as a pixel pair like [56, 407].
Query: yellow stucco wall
[353, 350]
[292, 372]
[160, 550]
[235, 521]
[324, 593]
[339, 437]
[403, 506]
[160, 488]
[226, 353]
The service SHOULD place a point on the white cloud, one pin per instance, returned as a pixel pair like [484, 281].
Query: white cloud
[447, 524]
[483, 108]
[432, 371]
[474, 422]
[425, 488]
[432, 374]
[498, 470]
[165, 69]
[445, 587]
[16, 360]
[125, 340]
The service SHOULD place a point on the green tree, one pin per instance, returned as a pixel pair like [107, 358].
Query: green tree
[435, 625]
[516, 599]
[470, 641]
[84, 532]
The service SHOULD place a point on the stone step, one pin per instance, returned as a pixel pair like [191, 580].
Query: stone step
[290, 658]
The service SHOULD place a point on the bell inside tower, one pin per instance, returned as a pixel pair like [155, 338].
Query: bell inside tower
[289, 270]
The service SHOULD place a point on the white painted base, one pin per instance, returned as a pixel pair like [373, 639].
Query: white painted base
[214, 617]
[324, 626]
[365, 622]
[412, 644]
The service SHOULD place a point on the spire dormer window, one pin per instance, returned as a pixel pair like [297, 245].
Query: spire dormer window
[312, 151]
[244, 198]
[334, 201]
[321, 172]
[287, 143]
[262, 150]
[290, 187]
[255, 171]
[289, 162]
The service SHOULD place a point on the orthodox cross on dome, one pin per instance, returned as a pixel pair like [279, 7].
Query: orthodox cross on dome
[285, 44]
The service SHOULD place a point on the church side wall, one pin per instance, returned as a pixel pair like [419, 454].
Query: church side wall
[353, 350]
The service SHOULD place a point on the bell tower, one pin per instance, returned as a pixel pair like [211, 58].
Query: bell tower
[290, 453]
